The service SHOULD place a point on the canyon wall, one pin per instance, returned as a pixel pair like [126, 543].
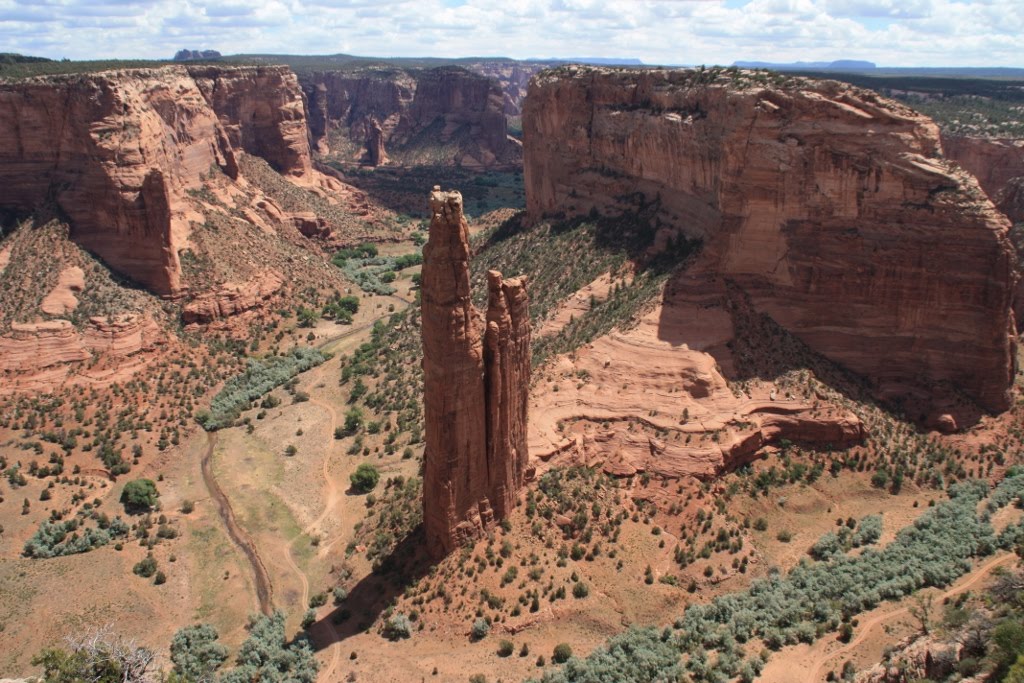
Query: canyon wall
[512, 77]
[476, 379]
[117, 152]
[444, 115]
[997, 163]
[826, 205]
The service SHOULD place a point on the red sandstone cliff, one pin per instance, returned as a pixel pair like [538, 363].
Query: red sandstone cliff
[997, 163]
[118, 150]
[825, 204]
[514, 79]
[262, 111]
[475, 385]
[443, 115]
[506, 380]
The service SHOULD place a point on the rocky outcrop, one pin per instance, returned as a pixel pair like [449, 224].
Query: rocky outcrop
[506, 382]
[1011, 199]
[997, 163]
[117, 151]
[232, 298]
[655, 399]
[476, 378]
[262, 111]
[62, 300]
[825, 204]
[376, 155]
[41, 355]
[443, 115]
[915, 658]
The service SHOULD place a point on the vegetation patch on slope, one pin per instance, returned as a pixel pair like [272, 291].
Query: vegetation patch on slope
[260, 377]
[817, 597]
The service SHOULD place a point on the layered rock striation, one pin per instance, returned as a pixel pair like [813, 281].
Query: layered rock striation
[827, 206]
[476, 381]
[38, 356]
[514, 79]
[443, 115]
[997, 163]
[117, 152]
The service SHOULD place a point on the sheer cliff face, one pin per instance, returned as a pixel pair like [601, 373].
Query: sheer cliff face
[476, 380]
[261, 110]
[997, 163]
[446, 111]
[825, 204]
[117, 151]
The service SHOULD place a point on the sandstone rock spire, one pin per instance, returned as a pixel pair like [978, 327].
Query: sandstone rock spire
[476, 379]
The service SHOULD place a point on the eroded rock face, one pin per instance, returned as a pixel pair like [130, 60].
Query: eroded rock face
[476, 379]
[506, 379]
[446, 112]
[118, 151]
[655, 399]
[825, 204]
[997, 163]
[37, 356]
[261, 110]
[232, 298]
[514, 79]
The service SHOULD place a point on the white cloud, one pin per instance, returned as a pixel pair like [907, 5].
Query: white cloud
[890, 32]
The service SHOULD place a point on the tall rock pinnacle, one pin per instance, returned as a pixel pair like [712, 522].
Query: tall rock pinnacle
[476, 379]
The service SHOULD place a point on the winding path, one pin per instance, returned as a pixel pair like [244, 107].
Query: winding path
[867, 626]
[264, 588]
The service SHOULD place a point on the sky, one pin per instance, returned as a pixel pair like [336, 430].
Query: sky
[888, 32]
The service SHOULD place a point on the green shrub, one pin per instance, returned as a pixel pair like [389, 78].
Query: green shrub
[640, 655]
[266, 656]
[505, 648]
[480, 629]
[561, 653]
[145, 567]
[365, 478]
[68, 537]
[397, 627]
[139, 496]
[869, 530]
[196, 654]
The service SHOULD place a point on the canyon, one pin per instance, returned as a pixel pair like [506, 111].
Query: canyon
[118, 152]
[443, 115]
[476, 379]
[870, 248]
[770, 255]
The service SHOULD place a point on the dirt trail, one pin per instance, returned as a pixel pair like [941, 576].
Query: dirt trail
[867, 626]
[264, 589]
[298, 572]
[332, 486]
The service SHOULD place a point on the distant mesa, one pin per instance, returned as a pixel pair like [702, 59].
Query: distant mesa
[837, 65]
[601, 61]
[193, 55]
